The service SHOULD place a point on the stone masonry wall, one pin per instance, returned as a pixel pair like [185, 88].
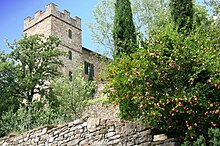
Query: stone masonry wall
[90, 131]
[56, 23]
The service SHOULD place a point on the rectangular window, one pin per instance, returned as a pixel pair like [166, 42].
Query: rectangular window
[89, 69]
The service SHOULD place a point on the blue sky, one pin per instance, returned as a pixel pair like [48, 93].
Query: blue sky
[13, 13]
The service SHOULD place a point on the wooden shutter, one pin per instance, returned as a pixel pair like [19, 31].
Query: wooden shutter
[86, 67]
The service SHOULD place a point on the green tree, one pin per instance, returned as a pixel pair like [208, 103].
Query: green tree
[123, 29]
[148, 15]
[33, 61]
[71, 97]
[182, 14]
[7, 101]
[144, 11]
[215, 6]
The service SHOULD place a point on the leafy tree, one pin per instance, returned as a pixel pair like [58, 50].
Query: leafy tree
[33, 61]
[148, 15]
[70, 97]
[200, 16]
[7, 102]
[65, 102]
[144, 12]
[182, 14]
[215, 6]
[123, 29]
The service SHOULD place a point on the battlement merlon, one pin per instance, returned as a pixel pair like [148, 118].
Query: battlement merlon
[52, 10]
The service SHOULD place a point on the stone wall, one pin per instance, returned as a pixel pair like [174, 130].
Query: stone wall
[90, 131]
[56, 23]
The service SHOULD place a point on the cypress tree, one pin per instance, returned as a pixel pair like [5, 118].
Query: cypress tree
[123, 29]
[182, 14]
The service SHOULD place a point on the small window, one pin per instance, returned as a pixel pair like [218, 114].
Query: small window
[70, 75]
[70, 33]
[70, 55]
[89, 69]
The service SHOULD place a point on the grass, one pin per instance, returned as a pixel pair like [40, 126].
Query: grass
[102, 100]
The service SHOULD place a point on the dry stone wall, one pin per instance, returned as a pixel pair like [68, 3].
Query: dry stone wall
[90, 131]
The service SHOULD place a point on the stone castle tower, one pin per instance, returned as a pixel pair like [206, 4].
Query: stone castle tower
[68, 30]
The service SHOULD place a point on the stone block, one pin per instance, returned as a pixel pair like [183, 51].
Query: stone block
[115, 137]
[77, 122]
[114, 142]
[111, 128]
[128, 129]
[160, 137]
[141, 128]
[51, 140]
[143, 139]
[146, 132]
[103, 131]
[92, 123]
[5, 144]
[110, 134]
[84, 124]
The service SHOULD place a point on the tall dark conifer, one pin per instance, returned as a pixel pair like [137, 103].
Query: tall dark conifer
[182, 14]
[124, 29]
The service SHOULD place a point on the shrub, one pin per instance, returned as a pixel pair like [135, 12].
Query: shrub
[29, 117]
[172, 83]
[214, 139]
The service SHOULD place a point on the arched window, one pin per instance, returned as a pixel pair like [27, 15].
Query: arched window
[70, 33]
[70, 55]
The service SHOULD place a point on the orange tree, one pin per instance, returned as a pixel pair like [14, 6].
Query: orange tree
[171, 83]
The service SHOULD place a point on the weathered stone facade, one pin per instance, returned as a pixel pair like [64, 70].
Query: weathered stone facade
[68, 30]
[91, 131]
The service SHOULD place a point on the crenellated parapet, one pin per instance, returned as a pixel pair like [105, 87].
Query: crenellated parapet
[52, 10]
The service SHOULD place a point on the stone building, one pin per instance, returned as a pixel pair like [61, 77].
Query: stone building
[68, 30]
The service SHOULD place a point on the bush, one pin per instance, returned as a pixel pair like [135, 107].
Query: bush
[214, 139]
[29, 117]
[172, 83]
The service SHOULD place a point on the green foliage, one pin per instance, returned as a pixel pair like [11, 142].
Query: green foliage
[123, 29]
[6, 75]
[182, 13]
[25, 70]
[214, 5]
[213, 140]
[64, 103]
[172, 83]
[36, 114]
[143, 11]
[71, 97]
[102, 100]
